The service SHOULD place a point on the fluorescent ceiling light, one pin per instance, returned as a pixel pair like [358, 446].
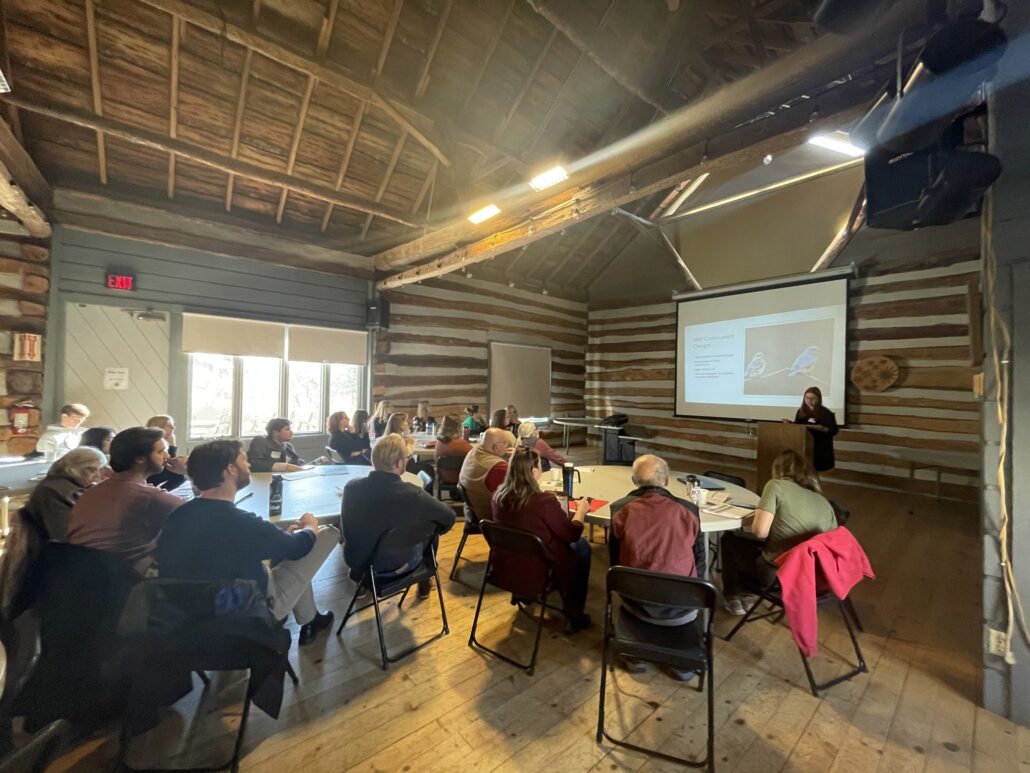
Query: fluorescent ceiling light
[689, 191]
[552, 176]
[838, 143]
[484, 214]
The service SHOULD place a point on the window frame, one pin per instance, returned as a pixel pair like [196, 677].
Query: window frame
[284, 385]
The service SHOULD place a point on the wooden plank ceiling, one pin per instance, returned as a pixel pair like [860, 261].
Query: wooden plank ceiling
[361, 124]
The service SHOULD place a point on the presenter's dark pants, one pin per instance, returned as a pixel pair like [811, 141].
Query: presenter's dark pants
[743, 568]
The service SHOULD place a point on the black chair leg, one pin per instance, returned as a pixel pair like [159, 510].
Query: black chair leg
[745, 619]
[350, 608]
[536, 641]
[204, 678]
[379, 623]
[457, 556]
[235, 766]
[443, 610]
[291, 673]
[403, 596]
[479, 605]
[861, 668]
[853, 613]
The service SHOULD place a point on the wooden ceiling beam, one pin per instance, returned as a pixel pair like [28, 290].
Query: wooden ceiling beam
[434, 44]
[427, 185]
[23, 170]
[298, 131]
[574, 22]
[391, 29]
[173, 99]
[526, 84]
[329, 74]
[5, 62]
[205, 156]
[14, 200]
[742, 145]
[237, 126]
[94, 77]
[385, 182]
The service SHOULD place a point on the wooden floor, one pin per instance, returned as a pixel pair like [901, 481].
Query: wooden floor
[449, 707]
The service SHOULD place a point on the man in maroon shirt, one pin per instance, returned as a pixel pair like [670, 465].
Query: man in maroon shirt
[123, 514]
[658, 532]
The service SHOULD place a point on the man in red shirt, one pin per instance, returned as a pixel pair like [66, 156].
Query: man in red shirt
[658, 532]
[123, 514]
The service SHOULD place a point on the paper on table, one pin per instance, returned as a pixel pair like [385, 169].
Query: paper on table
[718, 497]
[729, 511]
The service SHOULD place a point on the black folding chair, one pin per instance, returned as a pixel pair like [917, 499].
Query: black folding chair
[529, 550]
[382, 587]
[472, 526]
[683, 647]
[180, 627]
[448, 467]
[772, 593]
[713, 540]
[40, 750]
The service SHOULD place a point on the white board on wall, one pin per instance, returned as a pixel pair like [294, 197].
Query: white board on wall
[520, 376]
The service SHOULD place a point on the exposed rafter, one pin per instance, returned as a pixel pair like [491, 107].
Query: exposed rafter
[327, 73]
[13, 199]
[574, 22]
[173, 98]
[345, 162]
[94, 77]
[237, 126]
[441, 25]
[23, 169]
[526, 84]
[387, 176]
[298, 131]
[206, 157]
[5, 62]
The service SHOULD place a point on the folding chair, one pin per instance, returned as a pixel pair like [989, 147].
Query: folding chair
[446, 478]
[180, 627]
[383, 587]
[40, 750]
[683, 647]
[334, 456]
[713, 540]
[532, 584]
[772, 593]
[472, 526]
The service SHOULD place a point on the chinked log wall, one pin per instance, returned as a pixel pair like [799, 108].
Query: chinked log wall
[437, 345]
[917, 314]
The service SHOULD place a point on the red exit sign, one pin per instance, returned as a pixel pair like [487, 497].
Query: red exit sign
[121, 282]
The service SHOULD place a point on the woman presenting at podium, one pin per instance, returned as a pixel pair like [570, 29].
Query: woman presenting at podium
[822, 424]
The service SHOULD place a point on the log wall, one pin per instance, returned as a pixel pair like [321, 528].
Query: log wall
[918, 314]
[437, 345]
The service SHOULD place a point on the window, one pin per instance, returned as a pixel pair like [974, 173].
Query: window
[345, 388]
[212, 380]
[261, 385]
[304, 397]
[236, 396]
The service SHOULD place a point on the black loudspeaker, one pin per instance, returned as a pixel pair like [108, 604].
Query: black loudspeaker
[377, 313]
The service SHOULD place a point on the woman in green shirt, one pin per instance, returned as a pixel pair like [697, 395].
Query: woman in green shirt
[473, 420]
[792, 509]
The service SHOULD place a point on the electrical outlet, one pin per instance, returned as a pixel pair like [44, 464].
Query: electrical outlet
[997, 643]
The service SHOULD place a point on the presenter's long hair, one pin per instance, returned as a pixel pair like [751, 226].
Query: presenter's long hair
[819, 410]
[519, 485]
[790, 465]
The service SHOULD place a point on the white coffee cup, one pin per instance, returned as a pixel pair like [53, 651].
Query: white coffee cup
[702, 497]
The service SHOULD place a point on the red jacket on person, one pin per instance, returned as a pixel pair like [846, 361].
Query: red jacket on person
[838, 562]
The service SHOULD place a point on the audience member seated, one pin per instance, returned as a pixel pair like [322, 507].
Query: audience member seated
[484, 469]
[351, 442]
[473, 420]
[792, 509]
[380, 416]
[658, 532]
[123, 515]
[99, 438]
[499, 419]
[423, 419]
[512, 419]
[398, 425]
[44, 517]
[529, 436]
[274, 452]
[209, 538]
[383, 501]
[521, 504]
[174, 473]
[58, 439]
[450, 443]
[335, 426]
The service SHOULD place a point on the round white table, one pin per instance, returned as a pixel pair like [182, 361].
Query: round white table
[612, 482]
[318, 491]
[567, 422]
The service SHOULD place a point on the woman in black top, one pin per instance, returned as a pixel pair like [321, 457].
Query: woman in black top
[380, 416]
[822, 424]
[351, 443]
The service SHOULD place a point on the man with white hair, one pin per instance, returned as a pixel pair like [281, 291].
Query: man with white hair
[658, 532]
[484, 469]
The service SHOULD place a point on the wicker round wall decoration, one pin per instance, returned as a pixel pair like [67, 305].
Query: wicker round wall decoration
[875, 374]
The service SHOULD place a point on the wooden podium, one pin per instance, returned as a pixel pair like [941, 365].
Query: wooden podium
[776, 437]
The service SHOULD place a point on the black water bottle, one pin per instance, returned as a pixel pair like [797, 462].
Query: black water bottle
[567, 471]
[275, 497]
